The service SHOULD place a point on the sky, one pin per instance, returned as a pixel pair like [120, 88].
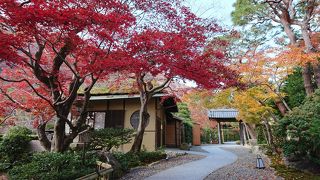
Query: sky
[218, 9]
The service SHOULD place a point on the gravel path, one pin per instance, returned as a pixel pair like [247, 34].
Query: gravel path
[146, 171]
[244, 167]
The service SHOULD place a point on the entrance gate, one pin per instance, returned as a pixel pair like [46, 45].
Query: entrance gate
[226, 115]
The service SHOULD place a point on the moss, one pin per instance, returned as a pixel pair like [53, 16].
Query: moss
[288, 172]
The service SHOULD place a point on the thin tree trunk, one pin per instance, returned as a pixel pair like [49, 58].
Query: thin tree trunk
[251, 131]
[246, 134]
[269, 132]
[144, 118]
[288, 30]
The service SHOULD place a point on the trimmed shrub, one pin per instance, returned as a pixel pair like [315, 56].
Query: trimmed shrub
[130, 160]
[54, 166]
[110, 137]
[127, 160]
[152, 156]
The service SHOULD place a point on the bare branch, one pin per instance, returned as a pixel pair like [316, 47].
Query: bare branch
[161, 87]
[7, 117]
[26, 2]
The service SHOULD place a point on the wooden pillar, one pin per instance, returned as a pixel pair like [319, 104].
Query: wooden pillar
[222, 134]
[219, 133]
[241, 133]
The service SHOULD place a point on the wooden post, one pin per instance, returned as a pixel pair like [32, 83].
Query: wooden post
[219, 133]
[241, 133]
[222, 134]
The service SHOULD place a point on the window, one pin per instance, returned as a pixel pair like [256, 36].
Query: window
[106, 119]
[115, 119]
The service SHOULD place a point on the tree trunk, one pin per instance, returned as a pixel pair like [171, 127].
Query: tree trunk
[44, 141]
[251, 131]
[246, 134]
[269, 132]
[288, 30]
[306, 37]
[316, 71]
[58, 136]
[306, 74]
[143, 119]
[309, 49]
[281, 106]
[307, 78]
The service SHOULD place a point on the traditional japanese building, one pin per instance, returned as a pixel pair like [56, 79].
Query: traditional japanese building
[122, 111]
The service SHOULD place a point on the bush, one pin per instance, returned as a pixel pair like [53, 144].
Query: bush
[130, 160]
[127, 160]
[188, 132]
[14, 147]
[110, 137]
[148, 157]
[54, 166]
[208, 135]
[300, 130]
[18, 131]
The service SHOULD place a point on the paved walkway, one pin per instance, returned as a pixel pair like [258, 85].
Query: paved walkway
[198, 170]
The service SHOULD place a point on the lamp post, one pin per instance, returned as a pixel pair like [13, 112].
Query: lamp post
[260, 164]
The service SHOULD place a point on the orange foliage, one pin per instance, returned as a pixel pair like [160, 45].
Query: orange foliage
[196, 100]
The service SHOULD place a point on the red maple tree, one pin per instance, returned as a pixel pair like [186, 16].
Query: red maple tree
[178, 49]
[52, 48]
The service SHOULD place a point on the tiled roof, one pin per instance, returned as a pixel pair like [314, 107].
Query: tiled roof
[222, 113]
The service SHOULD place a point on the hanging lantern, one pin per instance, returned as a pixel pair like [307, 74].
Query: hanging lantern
[260, 164]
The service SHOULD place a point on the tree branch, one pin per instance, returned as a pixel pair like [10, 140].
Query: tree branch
[31, 86]
[161, 87]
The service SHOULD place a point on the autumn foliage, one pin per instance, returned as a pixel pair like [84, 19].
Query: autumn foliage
[51, 49]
